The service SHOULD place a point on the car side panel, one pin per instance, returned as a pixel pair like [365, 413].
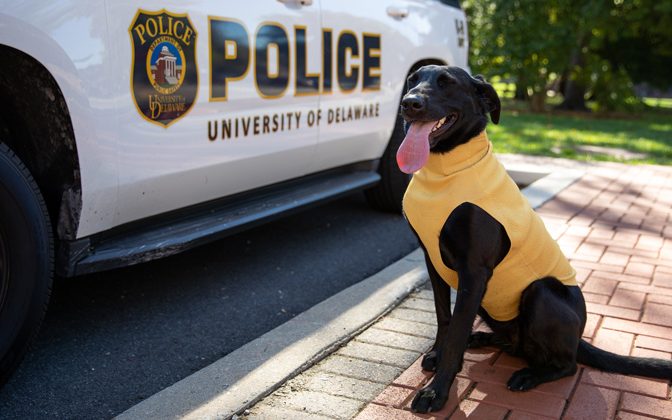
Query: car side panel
[192, 161]
[131, 168]
[69, 38]
[427, 32]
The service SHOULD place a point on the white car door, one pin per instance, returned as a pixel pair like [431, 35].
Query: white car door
[358, 98]
[371, 46]
[213, 98]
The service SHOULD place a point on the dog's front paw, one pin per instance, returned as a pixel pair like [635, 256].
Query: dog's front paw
[430, 361]
[428, 399]
[523, 380]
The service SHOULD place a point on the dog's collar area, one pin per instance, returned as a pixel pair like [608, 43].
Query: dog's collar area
[461, 157]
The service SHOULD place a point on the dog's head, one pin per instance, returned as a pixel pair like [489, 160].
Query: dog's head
[443, 108]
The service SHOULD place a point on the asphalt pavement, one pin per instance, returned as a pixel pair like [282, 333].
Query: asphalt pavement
[113, 339]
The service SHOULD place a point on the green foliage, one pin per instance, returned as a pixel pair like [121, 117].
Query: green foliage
[663, 103]
[518, 39]
[604, 45]
[640, 41]
[612, 89]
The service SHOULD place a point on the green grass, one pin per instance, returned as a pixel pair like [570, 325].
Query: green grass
[645, 137]
[562, 135]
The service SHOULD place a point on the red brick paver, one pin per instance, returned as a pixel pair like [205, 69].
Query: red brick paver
[615, 225]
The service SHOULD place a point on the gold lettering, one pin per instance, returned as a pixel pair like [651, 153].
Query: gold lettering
[169, 27]
[152, 27]
[140, 31]
[161, 30]
[187, 35]
[180, 23]
[154, 107]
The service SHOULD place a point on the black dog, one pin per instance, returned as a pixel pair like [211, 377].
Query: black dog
[476, 247]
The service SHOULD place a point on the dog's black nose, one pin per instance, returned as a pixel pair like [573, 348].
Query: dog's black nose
[413, 103]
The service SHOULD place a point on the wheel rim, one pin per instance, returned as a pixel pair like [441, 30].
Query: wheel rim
[4, 269]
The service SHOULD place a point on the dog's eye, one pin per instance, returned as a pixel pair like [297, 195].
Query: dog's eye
[413, 79]
[443, 81]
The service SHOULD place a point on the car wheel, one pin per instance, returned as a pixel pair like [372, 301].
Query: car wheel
[387, 195]
[26, 261]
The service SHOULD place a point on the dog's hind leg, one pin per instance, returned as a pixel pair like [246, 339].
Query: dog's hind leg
[443, 315]
[528, 378]
[504, 335]
[551, 324]
[480, 339]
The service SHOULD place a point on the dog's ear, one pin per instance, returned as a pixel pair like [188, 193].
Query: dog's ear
[488, 96]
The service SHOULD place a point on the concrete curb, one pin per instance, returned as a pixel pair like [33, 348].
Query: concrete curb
[253, 371]
[341, 385]
[544, 177]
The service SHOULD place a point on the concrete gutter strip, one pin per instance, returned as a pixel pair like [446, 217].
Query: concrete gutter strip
[552, 175]
[251, 372]
[547, 187]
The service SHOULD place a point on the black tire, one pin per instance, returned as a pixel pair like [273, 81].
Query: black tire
[387, 195]
[26, 261]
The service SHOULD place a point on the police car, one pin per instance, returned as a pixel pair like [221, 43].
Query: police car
[130, 131]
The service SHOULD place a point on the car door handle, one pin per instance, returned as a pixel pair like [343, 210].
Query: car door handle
[397, 12]
[298, 2]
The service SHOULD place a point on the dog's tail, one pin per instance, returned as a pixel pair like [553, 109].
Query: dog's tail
[610, 362]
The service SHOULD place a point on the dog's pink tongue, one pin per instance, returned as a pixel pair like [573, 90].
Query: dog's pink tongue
[414, 150]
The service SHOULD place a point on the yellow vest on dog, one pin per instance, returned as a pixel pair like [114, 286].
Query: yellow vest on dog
[471, 173]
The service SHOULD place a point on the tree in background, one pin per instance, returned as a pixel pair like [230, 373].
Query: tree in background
[636, 48]
[518, 40]
[582, 48]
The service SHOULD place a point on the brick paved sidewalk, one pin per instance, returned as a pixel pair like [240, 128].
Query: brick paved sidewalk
[615, 225]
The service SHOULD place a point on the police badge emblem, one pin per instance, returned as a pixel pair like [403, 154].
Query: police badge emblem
[164, 74]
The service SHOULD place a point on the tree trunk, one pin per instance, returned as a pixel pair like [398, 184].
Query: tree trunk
[521, 90]
[575, 89]
[575, 93]
[537, 101]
